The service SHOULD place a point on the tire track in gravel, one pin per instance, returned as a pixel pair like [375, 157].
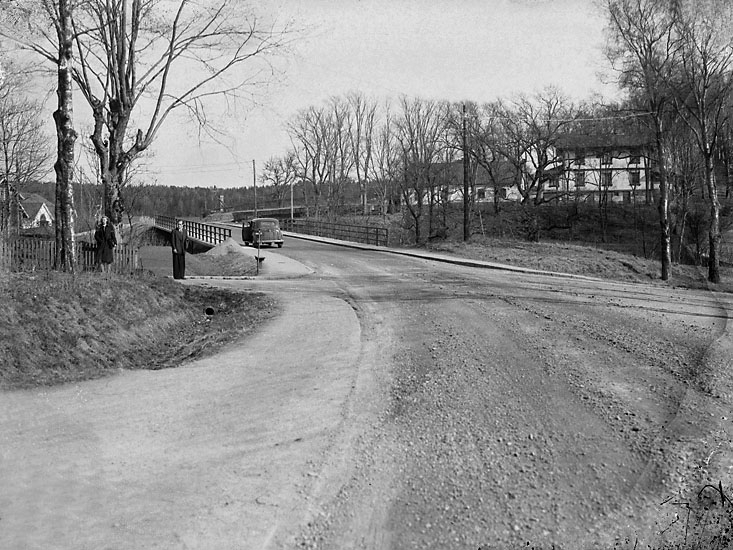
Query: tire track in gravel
[491, 459]
[522, 411]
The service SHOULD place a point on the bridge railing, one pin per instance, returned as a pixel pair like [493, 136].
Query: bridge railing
[357, 233]
[214, 234]
[203, 232]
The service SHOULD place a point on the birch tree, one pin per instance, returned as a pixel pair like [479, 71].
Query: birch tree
[138, 61]
[19, 21]
[703, 89]
[66, 137]
[643, 47]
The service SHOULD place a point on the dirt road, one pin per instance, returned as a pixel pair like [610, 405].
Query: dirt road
[397, 403]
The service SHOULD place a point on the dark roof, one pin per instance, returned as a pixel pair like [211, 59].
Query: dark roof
[33, 198]
[31, 204]
[602, 141]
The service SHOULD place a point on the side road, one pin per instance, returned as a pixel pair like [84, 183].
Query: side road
[220, 453]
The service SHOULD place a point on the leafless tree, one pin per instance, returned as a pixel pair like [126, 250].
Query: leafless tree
[420, 131]
[532, 125]
[686, 174]
[458, 137]
[496, 153]
[24, 146]
[281, 174]
[385, 162]
[488, 146]
[18, 21]
[340, 153]
[62, 15]
[141, 60]
[311, 134]
[643, 47]
[702, 88]
[361, 137]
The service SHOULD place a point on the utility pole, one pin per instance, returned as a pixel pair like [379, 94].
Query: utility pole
[466, 202]
[254, 184]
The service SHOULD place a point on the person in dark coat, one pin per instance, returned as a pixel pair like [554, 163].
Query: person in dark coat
[179, 242]
[106, 240]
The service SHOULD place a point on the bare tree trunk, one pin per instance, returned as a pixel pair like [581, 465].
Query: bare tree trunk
[714, 229]
[603, 213]
[5, 208]
[431, 210]
[364, 198]
[112, 160]
[663, 207]
[64, 166]
[728, 171]
[683, 226]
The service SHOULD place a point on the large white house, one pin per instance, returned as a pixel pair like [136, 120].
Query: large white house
[605, 167]
[611, 167]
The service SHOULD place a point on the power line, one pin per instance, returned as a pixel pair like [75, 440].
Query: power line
[579, 119]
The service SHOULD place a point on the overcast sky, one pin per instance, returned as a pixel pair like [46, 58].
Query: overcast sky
[456, 50]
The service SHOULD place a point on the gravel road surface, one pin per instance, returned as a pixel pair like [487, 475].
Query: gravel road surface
[397, 403]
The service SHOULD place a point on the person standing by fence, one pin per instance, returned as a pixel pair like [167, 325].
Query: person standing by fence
[106, 240]
[179, 242]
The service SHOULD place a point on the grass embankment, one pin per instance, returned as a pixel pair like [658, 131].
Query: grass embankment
[57, 328]
[588, 261]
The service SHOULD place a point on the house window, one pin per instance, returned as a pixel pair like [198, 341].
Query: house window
[554, 182]
[481, 194]
[634, 178]
[606, 177]
[579, 178]
[634, 159]
[580, 159]
[606, 158]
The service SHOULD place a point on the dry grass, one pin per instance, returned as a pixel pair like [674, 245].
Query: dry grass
[58, 328]
[581, 260]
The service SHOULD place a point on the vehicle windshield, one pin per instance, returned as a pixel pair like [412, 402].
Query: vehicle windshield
[267, 224]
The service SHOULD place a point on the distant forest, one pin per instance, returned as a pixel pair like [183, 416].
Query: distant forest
[148, 200]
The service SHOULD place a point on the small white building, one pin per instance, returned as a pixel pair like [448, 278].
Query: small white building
[35, 211]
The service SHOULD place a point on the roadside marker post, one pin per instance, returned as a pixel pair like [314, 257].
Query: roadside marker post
[259, 240]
